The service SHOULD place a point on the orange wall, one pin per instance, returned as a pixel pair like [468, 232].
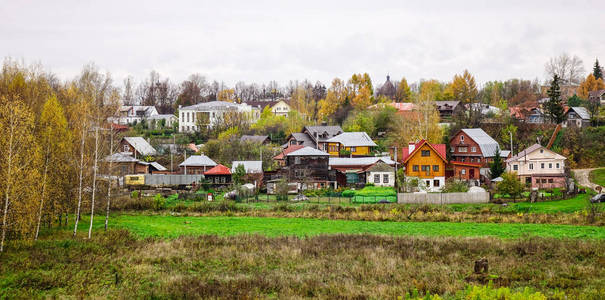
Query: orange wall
[420, 160]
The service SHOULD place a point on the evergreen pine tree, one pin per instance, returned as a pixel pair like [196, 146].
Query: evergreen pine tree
[554, 107]
[497, 167]
[597, 71]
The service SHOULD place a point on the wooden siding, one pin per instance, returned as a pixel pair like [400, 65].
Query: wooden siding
[418, 160]
[334, 150]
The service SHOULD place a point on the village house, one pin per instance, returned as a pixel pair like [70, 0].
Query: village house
[597, 97]
[137, 146]
[539, 167]
[281, 157]
[314, 136]
[279, 107]
[196, 164]
[124, 164]
[132, 114]
[577, 117]
[361, 170]
[308, 167]
[532, 115]
[354, 143]
[475, 146]
[218, 175]
[427, 162]
[470, 172]
[210, 113]
[447, 109]
[157, 121]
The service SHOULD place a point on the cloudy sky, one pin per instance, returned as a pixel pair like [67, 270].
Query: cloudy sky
[259, 41]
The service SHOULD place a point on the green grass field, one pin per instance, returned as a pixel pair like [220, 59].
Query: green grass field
[575, 204]
[172, 226]
[598, 176]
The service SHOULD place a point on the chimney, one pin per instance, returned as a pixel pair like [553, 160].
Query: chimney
[411, 147]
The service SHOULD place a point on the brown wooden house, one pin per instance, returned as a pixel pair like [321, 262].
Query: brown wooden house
[308, 167]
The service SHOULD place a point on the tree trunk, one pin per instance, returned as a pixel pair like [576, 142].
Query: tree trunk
[94, 182]
[8, 187]
[109, 185]
[43, 191]
[77, 216]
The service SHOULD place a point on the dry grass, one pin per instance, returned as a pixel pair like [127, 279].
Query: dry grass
[338, 266]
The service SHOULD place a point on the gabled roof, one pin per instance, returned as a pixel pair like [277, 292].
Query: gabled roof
[212, 106]
[289, 149]
[446, 105]
[251, 166]
[353, 139]
[380, 167]
[198, 161]
[531, 149]
[120, 157]
[488, 145]
[218, 170]
[307, 151]
[254, 138]
[157, 166]
[330, 131]
[358, 161]
[581, 111]
[304, 138]
[140, 145]
[596, 94]
[438, 148]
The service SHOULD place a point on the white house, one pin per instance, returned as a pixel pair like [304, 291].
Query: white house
[538, 166]
[281, 108]
[210, 113]
[154, 121]
[130, 114]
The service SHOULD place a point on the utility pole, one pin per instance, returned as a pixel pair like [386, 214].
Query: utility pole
[94, 181]
[185, 155]
[171, 152]
[511, 143]
[109, 177]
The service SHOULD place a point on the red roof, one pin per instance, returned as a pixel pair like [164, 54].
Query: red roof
[439, 148]
[218, 170]
[290, 148]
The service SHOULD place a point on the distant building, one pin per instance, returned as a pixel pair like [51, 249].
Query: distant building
[137, 146]
[278, 107]
[387, 89]
[308, 167]
[168, 120]
[597, 96]
[577, 117]
[447, 109]
[124, 164]
[539, 167]
[132, 114]
[357, 143]
[281, 157]
[210, 113]
[362, 170]
[260, 139]
[218, 175]
[314, 136]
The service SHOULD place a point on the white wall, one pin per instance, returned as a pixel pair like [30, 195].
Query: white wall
[391, 178]
[533, 164]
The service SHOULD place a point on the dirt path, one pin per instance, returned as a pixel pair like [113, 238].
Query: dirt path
[582, 175]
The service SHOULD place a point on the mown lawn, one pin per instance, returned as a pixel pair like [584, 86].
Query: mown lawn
[598, 176]
[174, 226]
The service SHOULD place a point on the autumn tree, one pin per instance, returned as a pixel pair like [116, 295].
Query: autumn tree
[336, 97]
[591, 83]
[462, 88]
[360, 91]
[404, 93]
[18, 169]
[569, 69]
[55, 140]
[193, 90]
[431, 89]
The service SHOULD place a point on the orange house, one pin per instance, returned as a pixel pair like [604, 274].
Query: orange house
[426, 161]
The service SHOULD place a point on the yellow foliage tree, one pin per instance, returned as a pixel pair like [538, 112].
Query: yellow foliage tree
[431, 88]
[462, 87]
[590, 84]
[404, 93]
[227, 95]
[335, 98]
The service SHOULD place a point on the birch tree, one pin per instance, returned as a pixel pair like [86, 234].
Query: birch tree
[17, 168]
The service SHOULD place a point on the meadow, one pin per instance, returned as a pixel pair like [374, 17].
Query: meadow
[598, 176]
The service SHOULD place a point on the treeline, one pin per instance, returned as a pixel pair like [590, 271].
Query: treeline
[53, 136]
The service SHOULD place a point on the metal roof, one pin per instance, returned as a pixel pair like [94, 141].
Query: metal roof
[157, 166]
[488, 145]
[140, 145]
[308, 151]
[120, 157]
[304, 138]
[353, 139]
[358, 161]
[582, 112]
[330, 131]
[531, 149]
[197, 161]
[254, 138]
[211, 106]
[251, 166]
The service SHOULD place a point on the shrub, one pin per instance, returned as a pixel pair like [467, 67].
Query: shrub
[128, 203]
[453, 185]
[134, 194]
[159, 202]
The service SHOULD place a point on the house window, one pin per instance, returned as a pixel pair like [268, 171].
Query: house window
[474, 149]
[377, 178]
[292, 142]
[543, 180]
[426, 153]
[515, 167]
[550, 165]
[537, 180]
[550, 180]
[436, 182]
[462, 149]
[353, 149]
[126, 148]
[463, 172]
[542, 165]
[541, 150]
[183, 116]
[426, 168]
[435, 168]
[557, 165]
[428, 183]
[531, 166]
[461, 138]
[415, 168]
[385, 178]
[297, 160]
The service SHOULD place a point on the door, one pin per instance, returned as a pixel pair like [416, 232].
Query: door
[471, 173]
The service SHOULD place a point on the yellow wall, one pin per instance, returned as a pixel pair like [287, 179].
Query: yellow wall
[420, 160]
[334, 149]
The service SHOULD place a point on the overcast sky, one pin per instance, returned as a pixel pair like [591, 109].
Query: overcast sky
[259, 41]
